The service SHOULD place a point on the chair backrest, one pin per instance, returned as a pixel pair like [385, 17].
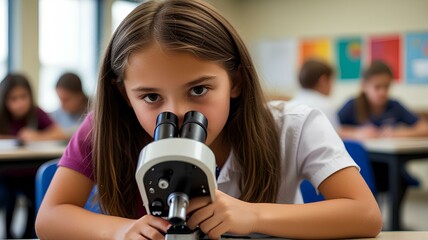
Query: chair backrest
[360, 156]
[308, 192]
[44, 177]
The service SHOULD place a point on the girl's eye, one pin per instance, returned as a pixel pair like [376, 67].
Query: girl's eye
[198, 91]
[151, 98]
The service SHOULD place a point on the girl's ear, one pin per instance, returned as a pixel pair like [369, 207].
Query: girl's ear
[235, 91]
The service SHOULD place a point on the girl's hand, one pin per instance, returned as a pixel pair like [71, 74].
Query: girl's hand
[28, 134]
[147, 227]
[387, 132]
[225, 214]
[367, 131]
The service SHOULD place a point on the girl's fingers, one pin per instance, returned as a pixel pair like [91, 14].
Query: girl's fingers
[200, 215]
[140, 237]
[197, 203]
[217, 231]
[158, 223]
[134, 235]
[209, 224]
[151, 233]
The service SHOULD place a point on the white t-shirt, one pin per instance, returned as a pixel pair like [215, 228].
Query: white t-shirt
[310, 149]
[319, 101]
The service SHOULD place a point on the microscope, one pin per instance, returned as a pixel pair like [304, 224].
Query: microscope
[176, 167]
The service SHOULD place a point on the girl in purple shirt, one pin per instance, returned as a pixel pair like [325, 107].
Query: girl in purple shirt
[19, 116]
[21, 119]
[178, 56]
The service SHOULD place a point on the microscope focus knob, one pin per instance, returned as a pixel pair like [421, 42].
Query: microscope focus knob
[163, 183]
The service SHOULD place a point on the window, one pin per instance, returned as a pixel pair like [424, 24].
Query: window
[120, 10]
[67, 43]
[3, 38]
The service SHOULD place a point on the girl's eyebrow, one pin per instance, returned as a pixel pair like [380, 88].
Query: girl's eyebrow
[189, 84]
[200, 80]
[144, 89]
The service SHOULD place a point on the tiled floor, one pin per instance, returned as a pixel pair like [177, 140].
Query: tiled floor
[415, 211]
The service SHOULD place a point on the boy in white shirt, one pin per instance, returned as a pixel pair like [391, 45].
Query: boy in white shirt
[316, 80]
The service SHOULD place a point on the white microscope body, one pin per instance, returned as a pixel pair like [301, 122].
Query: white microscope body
[173, 170]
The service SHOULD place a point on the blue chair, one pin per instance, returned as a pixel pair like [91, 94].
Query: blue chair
[308, 192]
[44, 177]
[359, 154]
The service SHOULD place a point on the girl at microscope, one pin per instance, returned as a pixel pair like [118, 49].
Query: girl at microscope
[182, 55]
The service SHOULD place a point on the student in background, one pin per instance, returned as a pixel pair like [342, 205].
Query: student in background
[374, 114]
[74, 103]
[182, 55]
[316, 81]
[20, 118]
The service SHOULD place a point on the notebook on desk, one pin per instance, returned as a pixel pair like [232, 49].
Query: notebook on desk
[9, 144]
[43, 145]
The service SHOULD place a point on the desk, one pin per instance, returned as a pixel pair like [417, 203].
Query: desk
[23, 157]
[395, 153]
[416, 235]
[400, 236]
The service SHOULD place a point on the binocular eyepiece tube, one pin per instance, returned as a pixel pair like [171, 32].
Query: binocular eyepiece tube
[166, 126]
[194, 126]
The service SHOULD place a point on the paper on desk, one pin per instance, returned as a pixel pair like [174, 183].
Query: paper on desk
[8, 144]
[43, 145]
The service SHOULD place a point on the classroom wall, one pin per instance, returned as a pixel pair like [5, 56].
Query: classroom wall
[277, 19]
[25, 48]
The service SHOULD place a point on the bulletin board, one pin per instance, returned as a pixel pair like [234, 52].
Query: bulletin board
[405, 53]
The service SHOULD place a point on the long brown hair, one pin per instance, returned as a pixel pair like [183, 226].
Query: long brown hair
[11, 81]
[362, 104]
[187, 26]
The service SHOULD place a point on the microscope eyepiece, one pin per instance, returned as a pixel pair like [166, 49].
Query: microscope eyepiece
[166, 126]
[194, 126]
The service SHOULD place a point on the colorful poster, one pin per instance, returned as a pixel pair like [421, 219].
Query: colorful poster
[315, 49]
[349, 58]
[417, 57]
[276, 61]
[387, 49]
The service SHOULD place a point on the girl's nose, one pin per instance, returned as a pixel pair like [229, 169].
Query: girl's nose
[179, 110]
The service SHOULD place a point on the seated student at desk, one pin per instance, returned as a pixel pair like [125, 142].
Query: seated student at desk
[373, 114]
[20, 118]
[74, 103]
